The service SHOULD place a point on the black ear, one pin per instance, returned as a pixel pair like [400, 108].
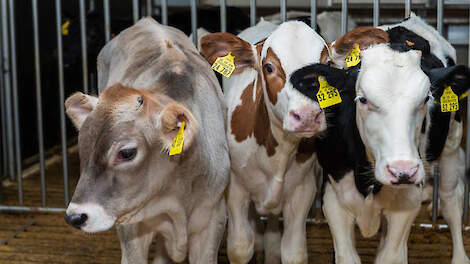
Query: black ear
[305, 80]
[457, 77]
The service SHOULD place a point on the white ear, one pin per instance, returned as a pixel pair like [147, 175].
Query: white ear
[170, 119]
[78, 106]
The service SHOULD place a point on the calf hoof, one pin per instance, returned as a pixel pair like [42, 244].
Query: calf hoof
[240, 253]
[460, 260]
[299, 258]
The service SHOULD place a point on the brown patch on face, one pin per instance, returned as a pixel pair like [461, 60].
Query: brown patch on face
[305, 149]
[325, 55]
[274, 75]
[217, 45]
[364, 36]
[251, 118]
[370, 157]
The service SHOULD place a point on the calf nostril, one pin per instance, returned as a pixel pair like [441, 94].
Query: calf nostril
[76, 220]
[296, 116]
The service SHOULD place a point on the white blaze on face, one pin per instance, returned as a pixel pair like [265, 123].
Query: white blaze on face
[295, 44]
[391, 91]
[97, 218]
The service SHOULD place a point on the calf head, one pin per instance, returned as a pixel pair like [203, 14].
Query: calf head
[124, 138]
[391, 98]
[269, 64]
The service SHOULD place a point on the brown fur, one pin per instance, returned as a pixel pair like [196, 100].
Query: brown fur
[251, 118]
[364, 36]
[217, 45]
[275, 80]
[305, 150]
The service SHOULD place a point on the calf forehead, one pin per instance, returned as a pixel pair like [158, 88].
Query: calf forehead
[295, 44]
[388, 76]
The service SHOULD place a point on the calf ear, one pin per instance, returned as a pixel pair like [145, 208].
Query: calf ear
[215, 45]
[171, 118]
[362, 36]
[78, 106]
[457, 77]
[305, 80]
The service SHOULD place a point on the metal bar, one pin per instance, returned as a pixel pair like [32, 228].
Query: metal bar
[83, 38]
[7, 82]
[440, 15]
[135, 10]
[283, 11]
[407, 8]
[313, 14]
[223, 16]
[344, 17]
[194, 21]
[3, 116]
[376, 13]
[467, 147]
[252, 12]
[107, 21]
[4, 208]
[164, 12]
[37, 67]
[435, 194]
[16, 232]
[63, 133]
[149, 7]
[16, 115]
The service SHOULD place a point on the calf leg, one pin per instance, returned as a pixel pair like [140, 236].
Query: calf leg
[394, 248]
[451, 199]
[272, 241]
[204, 242]
[135, 242]
[341, 224]
[295, 211]
[240, 236]
[161, 256]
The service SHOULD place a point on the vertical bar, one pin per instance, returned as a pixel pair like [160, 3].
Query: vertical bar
[313, 14]
[252, 13]
[164, 12]
[407, 8]
[135, 10]
[440, 15]
[467, 147]
[16, 116]
[61, 101]
[149, 8]
[3, 116]
[283, 11]
[435, 194]
[84, 46]
[194, 20]
[7, 79]
[376, 13]
[107, 22]
[223, 16]
[344, 17]
[37, 67]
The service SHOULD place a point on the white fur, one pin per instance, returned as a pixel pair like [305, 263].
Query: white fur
[98, 218]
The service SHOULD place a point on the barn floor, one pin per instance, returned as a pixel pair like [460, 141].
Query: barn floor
[45, 238]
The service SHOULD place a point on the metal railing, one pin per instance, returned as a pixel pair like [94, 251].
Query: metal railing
[9, 114]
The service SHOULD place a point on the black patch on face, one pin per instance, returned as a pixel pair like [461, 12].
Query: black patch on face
[179, 87]
[437, 135]
[450, 61]
[457, 117]
[423, 126]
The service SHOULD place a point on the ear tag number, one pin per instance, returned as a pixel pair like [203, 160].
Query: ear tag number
[327, 95]
[224, 65]
[353, 58]
[178, 141]
[449, 100]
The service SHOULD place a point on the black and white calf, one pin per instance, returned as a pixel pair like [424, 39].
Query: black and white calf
[385, 134]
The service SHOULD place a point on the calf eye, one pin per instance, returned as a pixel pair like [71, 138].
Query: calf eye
[427, 99]
[363, 100]
[127, 154]
[269, 68]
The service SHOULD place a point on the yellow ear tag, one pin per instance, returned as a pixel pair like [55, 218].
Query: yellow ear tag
[65, 28]
[224, 65]
[178, 141]
[462, 96]
[353, 58]
[327, 95]
[449, 100]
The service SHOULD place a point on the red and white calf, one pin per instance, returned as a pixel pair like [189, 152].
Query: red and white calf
[270, 126]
